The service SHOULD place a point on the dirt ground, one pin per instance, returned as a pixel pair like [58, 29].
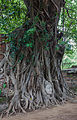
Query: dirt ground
[66, 111]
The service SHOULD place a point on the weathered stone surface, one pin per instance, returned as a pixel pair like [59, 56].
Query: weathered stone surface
[48, 88]
[71, 80]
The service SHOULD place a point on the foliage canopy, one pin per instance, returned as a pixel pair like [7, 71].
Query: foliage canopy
[13, 15]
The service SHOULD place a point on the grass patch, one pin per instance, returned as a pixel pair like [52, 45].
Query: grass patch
[3, 99]
[74, 89]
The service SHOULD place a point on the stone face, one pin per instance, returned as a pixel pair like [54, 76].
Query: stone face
[48, 88]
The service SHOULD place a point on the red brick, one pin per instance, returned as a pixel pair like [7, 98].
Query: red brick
[1, 56]
[2, 46]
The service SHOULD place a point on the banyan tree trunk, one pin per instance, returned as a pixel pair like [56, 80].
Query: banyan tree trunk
[37, 79]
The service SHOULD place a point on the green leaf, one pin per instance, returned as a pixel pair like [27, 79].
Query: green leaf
[57, 47]
[31, 30]
[0, 91]
[62, 42]
[29, 44]
[4, 85]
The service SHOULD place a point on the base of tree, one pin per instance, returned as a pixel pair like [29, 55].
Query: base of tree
[33, 84]
[36, 78]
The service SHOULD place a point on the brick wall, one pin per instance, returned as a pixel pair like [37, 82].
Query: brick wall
[2, 45]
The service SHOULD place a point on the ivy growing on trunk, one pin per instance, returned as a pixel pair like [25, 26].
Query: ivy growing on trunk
[32, 63]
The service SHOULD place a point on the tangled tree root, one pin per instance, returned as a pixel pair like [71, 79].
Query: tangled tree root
[36, 80]
[34, 86]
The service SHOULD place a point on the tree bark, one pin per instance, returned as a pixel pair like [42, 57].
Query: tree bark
[39, 82]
